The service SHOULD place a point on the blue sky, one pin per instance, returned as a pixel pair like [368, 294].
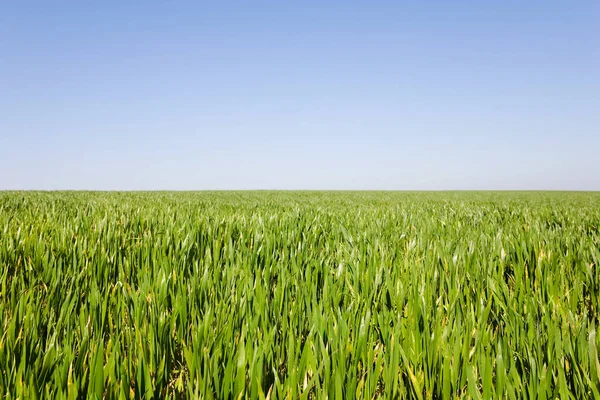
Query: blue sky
[192, 95]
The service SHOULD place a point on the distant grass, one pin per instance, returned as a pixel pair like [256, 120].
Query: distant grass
[300, 295]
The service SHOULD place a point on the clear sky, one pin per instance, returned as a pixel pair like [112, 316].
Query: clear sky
[300, 95]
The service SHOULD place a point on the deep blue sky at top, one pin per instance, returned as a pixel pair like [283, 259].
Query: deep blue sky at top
[300, 95]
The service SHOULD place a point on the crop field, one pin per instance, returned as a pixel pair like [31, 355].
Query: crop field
[300, 295]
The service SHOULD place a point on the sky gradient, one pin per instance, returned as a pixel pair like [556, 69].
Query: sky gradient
[193, 95]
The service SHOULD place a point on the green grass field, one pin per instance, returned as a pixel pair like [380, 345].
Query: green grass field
[300, 295]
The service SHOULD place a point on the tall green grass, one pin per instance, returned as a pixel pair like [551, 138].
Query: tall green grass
[299, 295]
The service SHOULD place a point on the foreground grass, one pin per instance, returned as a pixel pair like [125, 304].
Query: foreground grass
[299, 295]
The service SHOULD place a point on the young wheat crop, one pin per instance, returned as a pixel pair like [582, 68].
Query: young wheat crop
[299, 295]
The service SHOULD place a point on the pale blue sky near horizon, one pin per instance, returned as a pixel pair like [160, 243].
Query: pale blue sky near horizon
[387, 95]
